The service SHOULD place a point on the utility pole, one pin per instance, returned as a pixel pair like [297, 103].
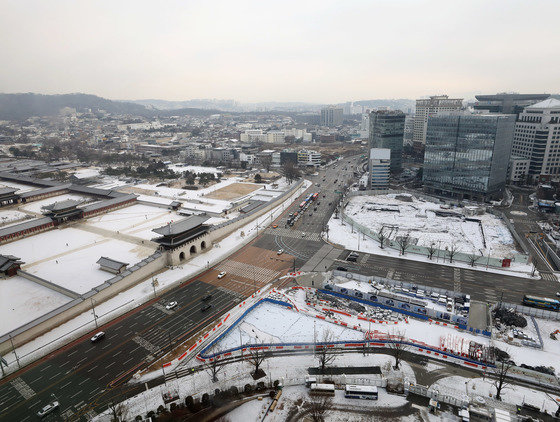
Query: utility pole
[94, 315]
[14, 350]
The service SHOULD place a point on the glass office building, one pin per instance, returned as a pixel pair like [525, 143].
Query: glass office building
[387, 131]
[467, 155]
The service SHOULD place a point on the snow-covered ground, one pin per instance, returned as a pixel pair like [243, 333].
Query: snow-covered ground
[142, 292]
[193, 169]
[418, 219]
[292, 369]
[20, 187]
[21, 301]
[515, 395]
[271, 323]
[137, 220]
[11, 216]
[343, 234]
[68, 257]
[37, 205]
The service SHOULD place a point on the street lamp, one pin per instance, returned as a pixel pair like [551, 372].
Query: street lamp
[93, 311]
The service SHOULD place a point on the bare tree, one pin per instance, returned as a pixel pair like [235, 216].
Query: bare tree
[257, 356]
[397, 346]
[319, 407]
[404, 243]
[500, 373]
[472, 259]
[118, 411]
[266, 162]
[452, 251]
[326, 355]
[381, 237]
[290, 171]
[213, 367]
[431, 251]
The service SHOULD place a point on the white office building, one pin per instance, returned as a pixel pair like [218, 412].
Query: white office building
[537, 138]
[379, 168]
[309, 158]
[431, 107]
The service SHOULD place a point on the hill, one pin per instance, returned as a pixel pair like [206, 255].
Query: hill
[23, 106]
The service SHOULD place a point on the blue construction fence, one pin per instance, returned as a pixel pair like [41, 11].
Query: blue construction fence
[359, 343]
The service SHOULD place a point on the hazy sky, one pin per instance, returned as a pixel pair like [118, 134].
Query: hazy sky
[283, 50]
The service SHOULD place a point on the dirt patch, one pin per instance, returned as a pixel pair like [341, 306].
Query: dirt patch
[235, 190]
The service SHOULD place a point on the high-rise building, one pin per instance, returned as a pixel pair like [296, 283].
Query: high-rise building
[379, 168]
[386, 130]
[331, 116]
[467, 155]
[537, 137]
[426, 108]
[507, 103]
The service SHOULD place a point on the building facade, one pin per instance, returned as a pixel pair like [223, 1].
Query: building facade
[331, 116]
[467, 156]
[309, 158]
[379, 168]
[425, 108]
[537, 137]
[386, 130]
[518, 169]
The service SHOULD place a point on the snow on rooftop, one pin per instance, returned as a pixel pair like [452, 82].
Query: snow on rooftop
[36, 206]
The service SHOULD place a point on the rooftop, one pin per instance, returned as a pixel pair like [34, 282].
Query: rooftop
[181, 226]
[111, 263]
[62, 205]
[549, 103]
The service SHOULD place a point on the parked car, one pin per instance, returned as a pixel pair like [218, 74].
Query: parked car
[49, 408]
[280, 252]
[341, 269]
[98, 336]
[171, 305]
[222, 274]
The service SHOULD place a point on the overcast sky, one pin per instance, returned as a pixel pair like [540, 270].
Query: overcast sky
[313, 51]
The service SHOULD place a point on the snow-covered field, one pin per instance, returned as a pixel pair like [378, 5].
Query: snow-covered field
[138, 220]
[515, 395]
[193, 169]
[21, 301]
[418, 219]
[11, 216]
[20, 188]
[343, 234]
[68, 257]
[37, 205]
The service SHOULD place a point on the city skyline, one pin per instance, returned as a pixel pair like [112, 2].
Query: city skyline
[316, 52]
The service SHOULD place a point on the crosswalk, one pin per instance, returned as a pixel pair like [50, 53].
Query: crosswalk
[457, 279]
[548, 276]
[295, 234]
[248, 271]
[490, 295]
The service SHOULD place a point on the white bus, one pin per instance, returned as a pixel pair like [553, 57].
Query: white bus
[322, 389]
[367, 392]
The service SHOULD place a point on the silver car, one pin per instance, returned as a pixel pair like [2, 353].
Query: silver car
[49, 408]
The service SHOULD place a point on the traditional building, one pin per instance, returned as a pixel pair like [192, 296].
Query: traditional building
[9, 265]
[178, 233]
[111, 265]
[8, 196]
[63, 211]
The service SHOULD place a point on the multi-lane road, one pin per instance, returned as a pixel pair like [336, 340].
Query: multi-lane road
[85, 377]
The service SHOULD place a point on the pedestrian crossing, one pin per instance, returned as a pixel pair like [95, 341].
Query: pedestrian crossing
[548, 276]
[457, 279]
[295, 234]
[490, 295]
[248, 271]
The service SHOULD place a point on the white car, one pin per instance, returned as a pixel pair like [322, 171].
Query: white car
[222, 274]
[98, 336]
[280, 252]
[303, 234]
[49, 408]
[171, 305]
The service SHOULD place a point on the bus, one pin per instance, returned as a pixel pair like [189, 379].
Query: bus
[315, 196]
[366, 392]
[302, 204]
[322, 389]
[541, 302]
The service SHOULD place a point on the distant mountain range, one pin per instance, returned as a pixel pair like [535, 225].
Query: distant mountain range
[23, 106]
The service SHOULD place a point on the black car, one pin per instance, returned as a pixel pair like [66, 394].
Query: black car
[341, 269]
[206, 298]
[205, 307]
